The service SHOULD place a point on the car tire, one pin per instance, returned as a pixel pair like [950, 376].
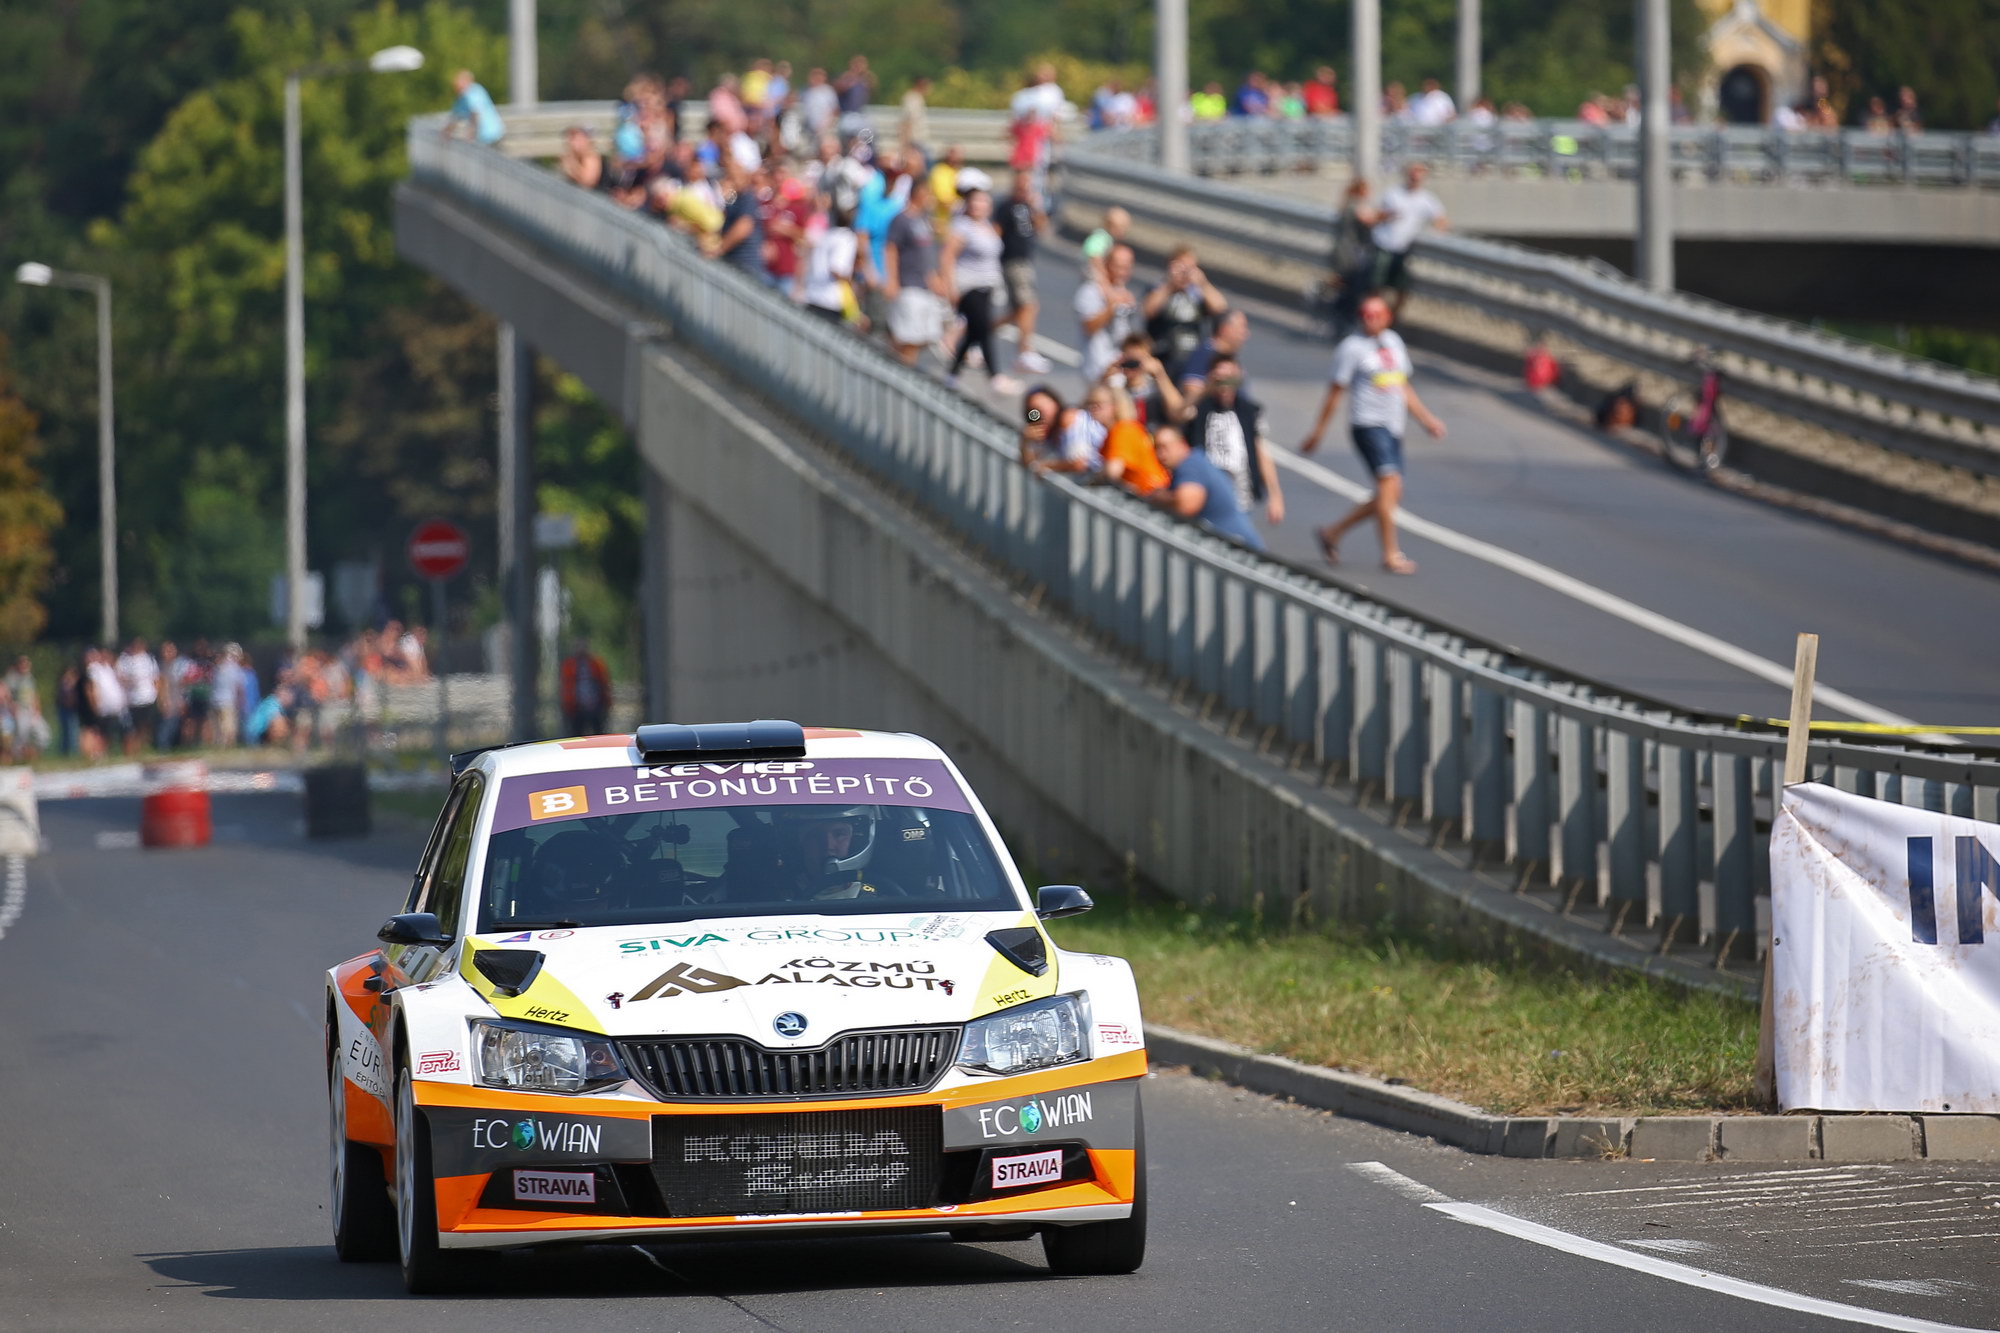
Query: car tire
[428, 1268]
[364, 1217]
[1101, 1248]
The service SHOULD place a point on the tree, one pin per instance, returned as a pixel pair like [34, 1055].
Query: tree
[1948, 50]
[390, 358]
[27, 514]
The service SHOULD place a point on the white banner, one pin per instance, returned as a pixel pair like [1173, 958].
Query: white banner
[1885, 949]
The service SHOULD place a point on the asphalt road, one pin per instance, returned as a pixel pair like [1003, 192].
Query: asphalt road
[161, 1086]
[1907, 632]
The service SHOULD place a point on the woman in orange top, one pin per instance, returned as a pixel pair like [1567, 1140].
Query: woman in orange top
[1128, 450]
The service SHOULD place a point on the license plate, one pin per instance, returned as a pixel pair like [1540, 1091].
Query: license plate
[555, 1187]
[1035, 1168]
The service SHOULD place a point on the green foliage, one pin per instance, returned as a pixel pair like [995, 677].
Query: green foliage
[27, 513]
[1948, 50]
[394, 364]
[991, 89]
[589, 469]
[1517, 1036]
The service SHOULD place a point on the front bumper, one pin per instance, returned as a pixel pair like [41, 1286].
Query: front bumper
[1057, 1148]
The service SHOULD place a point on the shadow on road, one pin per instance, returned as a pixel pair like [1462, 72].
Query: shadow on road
[755, 1268]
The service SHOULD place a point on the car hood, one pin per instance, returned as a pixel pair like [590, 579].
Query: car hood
[738, 975]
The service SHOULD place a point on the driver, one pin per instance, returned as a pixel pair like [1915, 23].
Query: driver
[827, 851]
[574, 872]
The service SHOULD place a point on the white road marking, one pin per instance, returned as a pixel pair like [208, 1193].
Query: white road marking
[1576, 589]
[1649, 1264]
[1685, 1274]
[14, 894]
[1673, 1245]
[1909, 1286]
[1397, 1181]
[1594, 597]
[116, 840]
[1047, 346]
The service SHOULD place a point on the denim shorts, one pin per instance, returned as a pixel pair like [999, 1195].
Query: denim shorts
[1379, 449]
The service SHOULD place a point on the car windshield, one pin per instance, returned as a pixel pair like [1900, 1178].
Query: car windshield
[740, 860]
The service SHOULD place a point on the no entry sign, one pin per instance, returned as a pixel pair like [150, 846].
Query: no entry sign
[438, 548]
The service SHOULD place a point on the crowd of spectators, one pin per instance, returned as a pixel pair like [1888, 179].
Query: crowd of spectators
[110, 703]
[890, 234]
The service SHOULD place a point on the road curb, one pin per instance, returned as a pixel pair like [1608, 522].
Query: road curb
[1693, 1138]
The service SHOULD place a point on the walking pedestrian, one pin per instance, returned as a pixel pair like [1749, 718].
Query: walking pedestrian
[1022, 223]
[1407, 212]
[911, 282]
[972, 270]
[1353, 256]
[586, 691]
[1374, 366]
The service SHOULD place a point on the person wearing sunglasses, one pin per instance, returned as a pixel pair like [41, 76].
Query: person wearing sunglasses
[1228, 425]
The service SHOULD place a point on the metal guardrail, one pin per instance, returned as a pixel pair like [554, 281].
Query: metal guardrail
[1640, 805]
[1578, 150]
[1900, 402]
[537, 131]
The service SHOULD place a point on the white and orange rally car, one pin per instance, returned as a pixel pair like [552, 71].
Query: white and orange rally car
[730, 979]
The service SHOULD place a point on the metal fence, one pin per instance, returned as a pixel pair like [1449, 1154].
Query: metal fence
[1617, 801]
[1900, 402]
[1578, 150]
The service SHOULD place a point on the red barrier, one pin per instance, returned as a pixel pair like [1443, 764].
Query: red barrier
[175, 818]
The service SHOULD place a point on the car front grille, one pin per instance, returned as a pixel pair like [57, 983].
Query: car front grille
[737, 1165]
[892, 1060]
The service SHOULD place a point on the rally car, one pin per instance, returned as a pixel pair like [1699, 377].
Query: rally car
[737, 979]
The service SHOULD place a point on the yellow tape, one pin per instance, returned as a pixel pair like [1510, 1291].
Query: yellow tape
[1877, 728]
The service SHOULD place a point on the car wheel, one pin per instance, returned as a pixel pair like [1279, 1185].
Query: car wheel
[1105, 1247]
[428, 1269]
[364, 1220]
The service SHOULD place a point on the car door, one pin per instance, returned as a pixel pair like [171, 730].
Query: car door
[440, 883]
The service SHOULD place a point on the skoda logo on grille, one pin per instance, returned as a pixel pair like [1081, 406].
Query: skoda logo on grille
[789, 1025]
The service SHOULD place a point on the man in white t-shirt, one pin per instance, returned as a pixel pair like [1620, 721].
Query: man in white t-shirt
[1408, 210]
[1107, 311]
[139, 676]
[1432, 106]
[1374, 367]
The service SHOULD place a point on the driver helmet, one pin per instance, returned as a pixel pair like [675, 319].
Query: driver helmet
[829, 844]
[576, 867]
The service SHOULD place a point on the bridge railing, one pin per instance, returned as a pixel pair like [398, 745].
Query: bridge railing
[1575, 149]
[1900, 402]
[1646, 809]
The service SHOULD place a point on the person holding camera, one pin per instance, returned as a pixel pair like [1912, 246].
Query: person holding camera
[1055, 438]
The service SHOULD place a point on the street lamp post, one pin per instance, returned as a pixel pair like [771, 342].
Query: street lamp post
[41, 275]
[390, 60]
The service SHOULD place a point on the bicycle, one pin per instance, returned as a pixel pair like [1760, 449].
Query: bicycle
[1693, 434]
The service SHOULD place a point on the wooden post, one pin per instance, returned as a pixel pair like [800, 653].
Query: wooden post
[1799, 736]
[1798, 743]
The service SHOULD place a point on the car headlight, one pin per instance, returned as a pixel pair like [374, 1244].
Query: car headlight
[1037, 1035]
[531, 1059]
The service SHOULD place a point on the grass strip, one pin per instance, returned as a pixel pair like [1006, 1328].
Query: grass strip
[1512, 1037]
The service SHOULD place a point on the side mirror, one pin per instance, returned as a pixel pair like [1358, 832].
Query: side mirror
[1054, 900]
[413, 928]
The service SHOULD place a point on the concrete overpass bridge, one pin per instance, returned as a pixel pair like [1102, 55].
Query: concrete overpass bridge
[835, 536]
[1890, 228]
